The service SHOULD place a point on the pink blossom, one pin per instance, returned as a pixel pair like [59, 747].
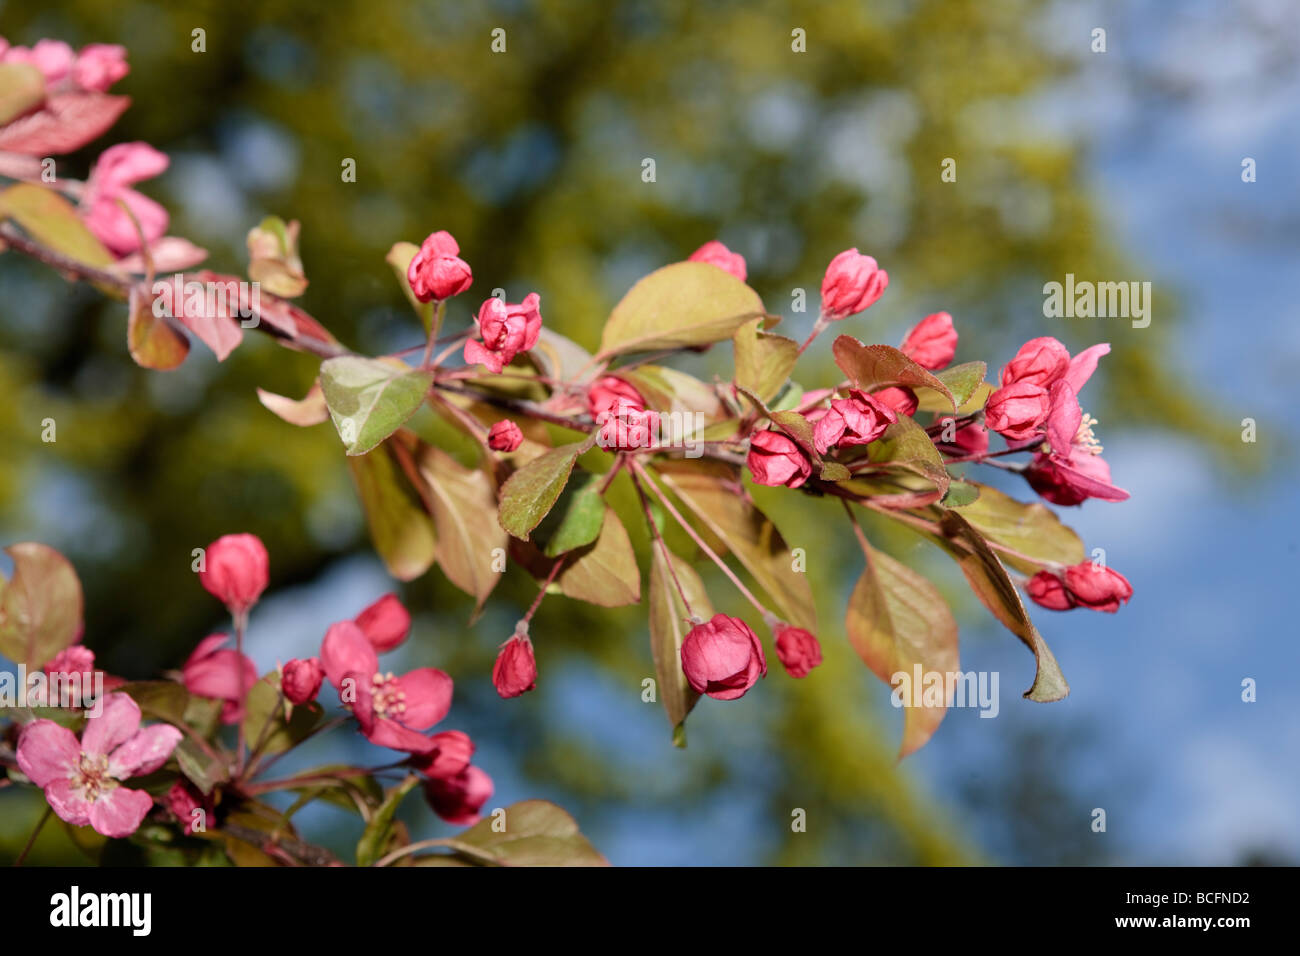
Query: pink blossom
[53, 58]
[235, 570]
[506, 330]
[458, 799]
[716, 254]
[1069, 468]
[390, 710]
[1017, 411]
[900, 398]
[1096, 587]
[82, 779]
[722, 658]
[797, 649]
[118, 168]
[505, 436]
[301, 680]
[221, 673]
[515, 670]
[852, 284]
[437, 272]
[609, 392]
[857, 420]
[933, 342]
[1048, 590]
[451, 754]
[774, 459]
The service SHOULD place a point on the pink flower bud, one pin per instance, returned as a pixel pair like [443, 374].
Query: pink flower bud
[610, 392]
[506, 329]
[99, 66]
[933, 342]
[437, 272]
[235, 570]
[625, 427]
[901, 399]
[301, 680]
[797, 649]
[1048, 590]
[458, 799]
[182, 800]
[504, 436]
[1098, 588]
[722, 658]
[716, 254]
[851, 285]
[451, 755]
[776, 460]
[385, 623]
[1017, 411]
[972, 439]
[1039, 362]
[857, 420]
[515, 670]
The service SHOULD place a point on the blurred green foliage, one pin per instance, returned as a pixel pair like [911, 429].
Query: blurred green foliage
[533, 159]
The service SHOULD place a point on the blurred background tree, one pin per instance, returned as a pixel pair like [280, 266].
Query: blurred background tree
[533, 158]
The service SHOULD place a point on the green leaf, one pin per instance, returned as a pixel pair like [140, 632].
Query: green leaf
[1031, 529]
[202, 770]
[400, 527]
[669, 627]
[22, 88]
[379, 832]
[265, 727]
[461, 499]
[962, 382]
[399, 257]
[369, 399]
[41, 606]
[669, 390]
[603, 573]
[906, 446]
[53, 221]
[681, 305]
[576, 520]
[170, 701]
[719, 503]
[561, 359]
[897, 619]
[988, 579]
[961, 493]
[153, 342]
[537, 833]
[878, 366]
[763, 361]
[530, 493]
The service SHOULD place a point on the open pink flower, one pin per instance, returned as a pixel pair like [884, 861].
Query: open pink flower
[221, 673]
[716, 254]
[1069, 468]
[82, 779]
[506, 330]
[391, 710]
[117, 169]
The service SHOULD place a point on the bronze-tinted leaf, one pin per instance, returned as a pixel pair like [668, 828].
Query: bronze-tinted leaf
[41, 606]
[463, 501]
[669, 626]
[400, 527]
[877, 366]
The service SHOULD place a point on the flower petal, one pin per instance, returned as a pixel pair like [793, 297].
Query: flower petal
[428, 696]
[1083, 365]
[119, 812]
[346, 650]
[391, 734]
[47, 752]
[68, 803]
[145, 752]
[114, 727]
